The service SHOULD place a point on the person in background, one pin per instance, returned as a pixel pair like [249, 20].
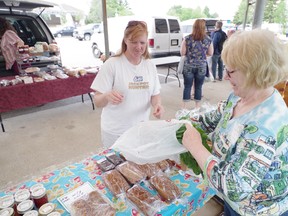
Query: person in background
[249, 161]
[230, 32]
[10, 42]
[218, 37]
[195, 47]
[127, 85]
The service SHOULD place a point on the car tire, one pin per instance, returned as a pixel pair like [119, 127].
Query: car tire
[59, 35]
[96, 52]
[87, 37]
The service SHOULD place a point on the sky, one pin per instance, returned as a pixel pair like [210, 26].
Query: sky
[225, 8]
[161, 7]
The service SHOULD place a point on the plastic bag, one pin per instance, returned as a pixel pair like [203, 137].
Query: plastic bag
[95, 203]
[181, 65]
[151, 141]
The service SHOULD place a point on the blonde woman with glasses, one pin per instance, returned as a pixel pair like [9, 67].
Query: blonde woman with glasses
[127, 86]
[249, 131]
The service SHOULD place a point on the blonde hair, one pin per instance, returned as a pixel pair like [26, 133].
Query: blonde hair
[133, 30]
[259, 54]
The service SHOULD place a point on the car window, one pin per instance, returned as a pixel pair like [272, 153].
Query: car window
[161, 26]
[174, 26]
[28, 29]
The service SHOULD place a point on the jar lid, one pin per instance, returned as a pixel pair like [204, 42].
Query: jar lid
[21, 195]
[47, 208]
[25, 206]
[7, 212]
[36, 186]
[38, 192]
[54, 214]
[31, 213]
[6, 201]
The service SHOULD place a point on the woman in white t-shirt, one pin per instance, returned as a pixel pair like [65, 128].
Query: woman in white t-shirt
[127, 86]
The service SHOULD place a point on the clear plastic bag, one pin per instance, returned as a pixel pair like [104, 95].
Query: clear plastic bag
[165, 187]
[151, 141]
[93, 204]
[147, 203]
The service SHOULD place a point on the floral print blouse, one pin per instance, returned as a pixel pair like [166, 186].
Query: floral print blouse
[249, 165]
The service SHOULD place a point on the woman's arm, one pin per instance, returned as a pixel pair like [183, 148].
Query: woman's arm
[102, 99]
[158, 109]
[183, 48]
[210, 50]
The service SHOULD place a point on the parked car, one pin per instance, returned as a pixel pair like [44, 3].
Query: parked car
[85, 32]
[30, 27]
[65, 31]
[164, 39]
[187, 26]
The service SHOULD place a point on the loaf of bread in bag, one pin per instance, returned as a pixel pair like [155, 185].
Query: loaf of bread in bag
[115, 182]
[144, 200]
[150, 169]
[165, 187]
[131, 172]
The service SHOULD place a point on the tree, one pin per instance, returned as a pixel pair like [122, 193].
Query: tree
[114, 8]
[281, 15]
[240, 14]
[275, 12]
[189, 13]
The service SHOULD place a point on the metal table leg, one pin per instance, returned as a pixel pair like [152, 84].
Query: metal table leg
[92, 102]
[2, 125]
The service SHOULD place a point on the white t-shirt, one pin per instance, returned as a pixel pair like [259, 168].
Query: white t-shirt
[137, 83]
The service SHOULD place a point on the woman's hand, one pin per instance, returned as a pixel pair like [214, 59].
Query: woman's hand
[158, 111]
[114, 97]
[193, 143]
[191, 139]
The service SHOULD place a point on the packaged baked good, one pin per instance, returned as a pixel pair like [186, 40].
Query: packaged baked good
[113, 158]
[94, 204]
[81, 207]
[144, 200]
[131, 172]
[115, 182]
[150, 169]
[164, 165]
[105, 165]
[165, 187]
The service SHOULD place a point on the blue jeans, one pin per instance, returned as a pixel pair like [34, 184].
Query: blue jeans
[196, 74]
[228, 211]
[216, 60]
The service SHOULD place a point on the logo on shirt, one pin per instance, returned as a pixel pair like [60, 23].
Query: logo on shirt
[138, 83]
[138, 79]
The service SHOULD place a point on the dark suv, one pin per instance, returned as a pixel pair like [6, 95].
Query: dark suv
[85, 32]
[29, 25]
[65, 31]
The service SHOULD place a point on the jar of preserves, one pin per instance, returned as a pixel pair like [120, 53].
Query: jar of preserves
[7, 212]
[46, 209]
[22, 195]
[39, 196]
[7, 201]
[36, 186]
[31, 213]
[25, 206]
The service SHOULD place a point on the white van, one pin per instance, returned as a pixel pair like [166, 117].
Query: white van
[165, 35]
[187, 25]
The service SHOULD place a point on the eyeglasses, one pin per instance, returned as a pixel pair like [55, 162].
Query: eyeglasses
[135, 23]
[229, 72]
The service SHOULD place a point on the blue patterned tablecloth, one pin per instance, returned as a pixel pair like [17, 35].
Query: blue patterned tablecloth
[61, 181]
